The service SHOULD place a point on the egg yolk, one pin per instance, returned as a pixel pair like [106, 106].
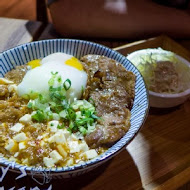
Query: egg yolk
[34, 63]
[74, 62]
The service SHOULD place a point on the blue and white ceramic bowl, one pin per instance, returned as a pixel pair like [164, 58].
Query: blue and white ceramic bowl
[35, 50]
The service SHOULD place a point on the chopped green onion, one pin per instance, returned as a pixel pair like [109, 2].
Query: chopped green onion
[67, 84]
[61, 126]
[30, 104]
[71, 125]
[83, 130]
[87, 113]
[54, 73]
[42, 99]
[95, 116]
[72, 114]
[78, 116]
[39, 116]
[59, 79]
[52, 79]
[63, 114]
[84, 121]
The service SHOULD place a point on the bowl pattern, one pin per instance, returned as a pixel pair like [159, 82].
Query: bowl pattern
[78, 48]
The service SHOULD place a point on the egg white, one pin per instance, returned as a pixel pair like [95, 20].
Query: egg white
[36, 80]
[56, 57]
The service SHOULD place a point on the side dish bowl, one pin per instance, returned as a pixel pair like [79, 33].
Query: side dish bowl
[36, 50]
[159, 99]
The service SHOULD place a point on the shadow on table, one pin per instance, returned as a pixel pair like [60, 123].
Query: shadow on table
[118, 173]
[162, 111]
[166, 134]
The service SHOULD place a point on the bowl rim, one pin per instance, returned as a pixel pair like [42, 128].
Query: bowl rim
[91, 162]
[176, 95]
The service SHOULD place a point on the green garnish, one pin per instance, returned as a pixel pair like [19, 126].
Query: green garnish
[29, 105]
[39, 116]
[61, 126]
[59, 79]
[52, 79]
[71, 114]
[78, 116]
[83, 130]
[67, 84]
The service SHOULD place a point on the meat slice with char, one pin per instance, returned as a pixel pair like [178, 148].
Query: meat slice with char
[111, 87]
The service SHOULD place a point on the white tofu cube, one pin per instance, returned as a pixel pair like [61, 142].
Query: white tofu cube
[25, 161]
[70, 162]
[42, 143]
[26, 118]
[83, 147]
[90, 154]
[58, 137]
[12, 88]
[51, 139]
[73, 137]
[22, 145]
[53, 125]
[17, 127]
[66, 133]
[11, 145]
[16, 154]
[80, 162]
[62, 150]
[20, 137]
[74, 146]
[49, 162]
[55, 156]
[5, 81]
[39, 137]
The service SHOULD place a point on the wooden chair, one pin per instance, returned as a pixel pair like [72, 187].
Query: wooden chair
[41, 11]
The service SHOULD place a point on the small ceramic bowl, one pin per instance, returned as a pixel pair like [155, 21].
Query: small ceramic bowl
[162, 100]
[35, 50]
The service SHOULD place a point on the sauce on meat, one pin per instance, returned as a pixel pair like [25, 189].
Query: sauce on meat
[166, 78]
[111, 87]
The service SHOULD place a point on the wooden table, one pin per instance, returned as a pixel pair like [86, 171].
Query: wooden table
[158, 157]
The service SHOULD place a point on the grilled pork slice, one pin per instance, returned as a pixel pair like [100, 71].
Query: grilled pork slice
[111, 87]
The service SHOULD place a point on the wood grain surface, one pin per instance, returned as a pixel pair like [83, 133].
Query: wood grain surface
[162, 41]
[20, 9]
[158, 158]
[15, 32]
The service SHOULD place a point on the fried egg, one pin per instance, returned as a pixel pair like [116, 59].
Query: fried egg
[68, 67]
[63, 58]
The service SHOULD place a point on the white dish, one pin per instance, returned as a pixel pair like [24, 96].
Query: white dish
[161, 100]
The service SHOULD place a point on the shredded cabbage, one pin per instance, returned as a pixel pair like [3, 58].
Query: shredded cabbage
[147, 61]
